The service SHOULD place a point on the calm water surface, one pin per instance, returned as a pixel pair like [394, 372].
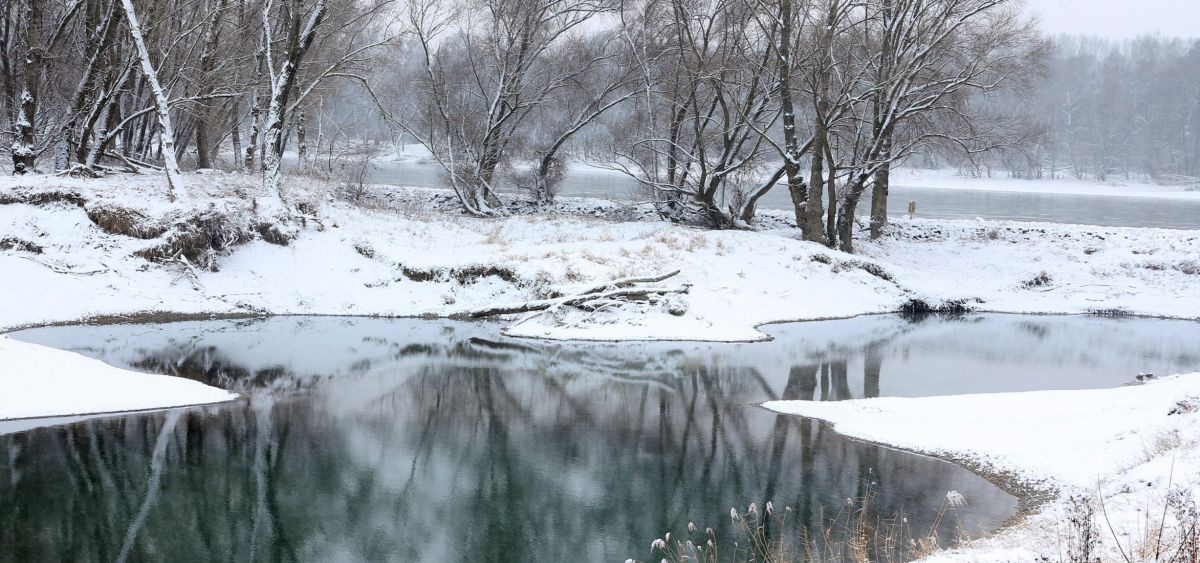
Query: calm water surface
[931, 203]
[411, 440]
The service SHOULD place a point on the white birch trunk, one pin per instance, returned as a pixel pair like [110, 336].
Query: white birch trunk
[178, 191]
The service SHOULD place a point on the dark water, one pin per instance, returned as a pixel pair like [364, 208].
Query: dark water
[410, 440]
[931, 203]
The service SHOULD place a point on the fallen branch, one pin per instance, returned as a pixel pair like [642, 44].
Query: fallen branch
[131, 161]
[59, 270]
[78, 170]
[621, 290]
[627, 282]
[627, 294]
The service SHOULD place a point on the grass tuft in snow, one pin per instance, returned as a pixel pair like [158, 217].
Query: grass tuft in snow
[41, 197]
[200, 239]
[18, 244]
[1114, 312]
[855, 534]
[116, 220]
[1040, 280]
[1167, 532]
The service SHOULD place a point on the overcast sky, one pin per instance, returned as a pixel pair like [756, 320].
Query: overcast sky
[1119, 18]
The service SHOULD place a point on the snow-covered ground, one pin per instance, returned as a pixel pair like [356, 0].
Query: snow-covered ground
[1133, 451]
[36, 381]
[397, 257]
[72, 249]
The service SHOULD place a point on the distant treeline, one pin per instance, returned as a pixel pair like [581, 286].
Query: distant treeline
[1102, 109]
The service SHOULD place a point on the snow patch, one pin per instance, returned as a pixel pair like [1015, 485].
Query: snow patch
[42, 382]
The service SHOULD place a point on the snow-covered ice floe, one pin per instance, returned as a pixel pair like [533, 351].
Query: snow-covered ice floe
[1127, 450]
[37, 381]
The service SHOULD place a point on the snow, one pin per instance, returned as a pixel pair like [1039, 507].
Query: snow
[41, 382]
[1131, 444]
[358, 261]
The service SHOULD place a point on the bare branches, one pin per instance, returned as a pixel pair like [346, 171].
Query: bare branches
[486, 72]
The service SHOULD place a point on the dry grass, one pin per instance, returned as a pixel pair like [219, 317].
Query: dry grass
[116, 220]
[22, 245]
[855, 534]
[495, 237]
[1168, 531]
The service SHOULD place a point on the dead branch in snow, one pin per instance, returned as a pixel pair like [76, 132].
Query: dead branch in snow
[622, 290]
[627, 282]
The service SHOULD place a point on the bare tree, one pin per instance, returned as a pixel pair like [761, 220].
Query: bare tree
[923, 57]
[698, 129]
[300, 31]
[486, 67]
[602, 78]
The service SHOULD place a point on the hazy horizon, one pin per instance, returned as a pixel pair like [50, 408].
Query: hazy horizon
[1119, 19]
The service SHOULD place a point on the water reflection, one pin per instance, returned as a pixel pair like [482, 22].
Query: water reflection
[369, 439]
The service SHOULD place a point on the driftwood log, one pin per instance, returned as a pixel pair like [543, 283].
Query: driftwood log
[624, 289]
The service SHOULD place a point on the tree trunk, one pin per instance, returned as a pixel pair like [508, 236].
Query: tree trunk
[23, 153]
[814, 212]
[831, 215]
[879, 192]
[207, 62]
[175, 185]
[281, 90]
[301, 138]
[253, 137]
[879, 198]
[235, 136]
[202, 144]
[845, 215]
[806, 200]
[543, 183]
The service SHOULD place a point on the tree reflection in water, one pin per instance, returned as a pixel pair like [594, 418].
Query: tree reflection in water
[410, 440]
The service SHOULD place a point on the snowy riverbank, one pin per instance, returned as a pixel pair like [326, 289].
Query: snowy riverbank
[1115, 186]
[1133, 452]
[73, 250]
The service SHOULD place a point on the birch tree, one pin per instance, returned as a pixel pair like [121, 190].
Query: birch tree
[282, 80]
[175, 185]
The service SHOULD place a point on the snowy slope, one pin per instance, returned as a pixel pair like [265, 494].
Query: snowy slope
[1131, 446]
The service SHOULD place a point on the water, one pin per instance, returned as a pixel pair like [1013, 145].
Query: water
[931, 203]
[412, 440]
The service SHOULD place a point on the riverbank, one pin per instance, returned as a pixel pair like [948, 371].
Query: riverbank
[1124, 463]
[73, 250]
[1114, 186]
[78, 249]
[104, 247]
